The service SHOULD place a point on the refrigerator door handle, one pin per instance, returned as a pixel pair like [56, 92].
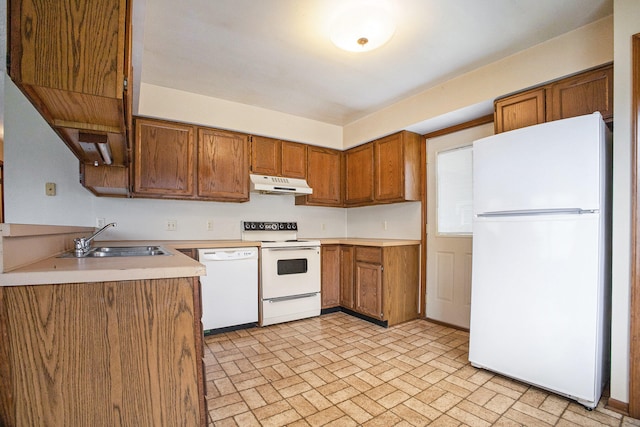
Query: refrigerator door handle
[537, 212]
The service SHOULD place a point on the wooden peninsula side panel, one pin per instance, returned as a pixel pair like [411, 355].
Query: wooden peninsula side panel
[102, 354]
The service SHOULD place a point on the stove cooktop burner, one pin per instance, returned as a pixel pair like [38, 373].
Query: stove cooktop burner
[275, 234]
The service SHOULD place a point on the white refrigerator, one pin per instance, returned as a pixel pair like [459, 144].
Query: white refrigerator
[540, 293]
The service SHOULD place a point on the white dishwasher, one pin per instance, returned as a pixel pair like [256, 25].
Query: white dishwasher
[230, 288]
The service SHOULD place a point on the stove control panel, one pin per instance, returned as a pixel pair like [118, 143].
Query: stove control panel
[269, 226]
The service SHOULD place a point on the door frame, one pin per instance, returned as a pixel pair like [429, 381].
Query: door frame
[634, 309]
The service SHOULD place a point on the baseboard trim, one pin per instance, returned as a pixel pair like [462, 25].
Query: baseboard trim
[449, 325]
[617, 406]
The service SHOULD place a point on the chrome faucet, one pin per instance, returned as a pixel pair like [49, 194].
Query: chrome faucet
[83, 244]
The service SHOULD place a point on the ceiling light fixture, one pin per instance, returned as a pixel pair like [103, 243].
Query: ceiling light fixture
[361, 26]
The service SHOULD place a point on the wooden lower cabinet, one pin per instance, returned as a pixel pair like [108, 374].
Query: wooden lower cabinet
[377, 282]
[330, 275]
[368, 289]
[347, 253]
[102, 354]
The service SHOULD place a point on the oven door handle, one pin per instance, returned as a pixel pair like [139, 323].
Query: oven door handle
[292, 297]
[290, 249]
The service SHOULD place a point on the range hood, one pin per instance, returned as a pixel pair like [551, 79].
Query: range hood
[266, 184]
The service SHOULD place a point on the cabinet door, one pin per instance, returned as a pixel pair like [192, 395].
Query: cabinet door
[72, 56]
[330, 276]
[346, 277]
[164, 159]
[359, 175]
[517, 111]
[389, 169]
[223, 165]
[368, 289]
[294, 160]
[265, 156]
[105, 180]
[324, 170]
[582, 94]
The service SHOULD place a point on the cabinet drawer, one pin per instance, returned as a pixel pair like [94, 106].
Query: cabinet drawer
[369, 254]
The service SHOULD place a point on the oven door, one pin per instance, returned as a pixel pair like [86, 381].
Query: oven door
[290, 271]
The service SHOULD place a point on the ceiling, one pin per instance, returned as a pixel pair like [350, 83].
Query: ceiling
[277, 54]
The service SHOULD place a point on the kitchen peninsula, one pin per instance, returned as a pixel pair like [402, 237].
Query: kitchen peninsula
[97, 341]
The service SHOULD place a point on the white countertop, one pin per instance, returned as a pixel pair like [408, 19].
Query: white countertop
[80, 270]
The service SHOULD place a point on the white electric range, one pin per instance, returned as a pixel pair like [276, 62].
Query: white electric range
[289, 271]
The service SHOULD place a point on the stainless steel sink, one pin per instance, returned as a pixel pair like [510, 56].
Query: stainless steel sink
[120, 251]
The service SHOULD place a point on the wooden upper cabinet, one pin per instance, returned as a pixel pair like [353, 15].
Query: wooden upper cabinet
[397, 170]
[278, 158]
[71, 59]
[387, 170]
[223, 165]
[105, 180]
[265, 155]
[294, 160]
[359, 175]
[164, 159]
[517, 111]
[324, 176]
[180, 161]
[582, 94]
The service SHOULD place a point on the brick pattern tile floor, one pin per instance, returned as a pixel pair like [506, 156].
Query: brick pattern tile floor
[338, 370]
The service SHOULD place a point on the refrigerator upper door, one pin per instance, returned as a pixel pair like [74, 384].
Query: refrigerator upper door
[555, 165]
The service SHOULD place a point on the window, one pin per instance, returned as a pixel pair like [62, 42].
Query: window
[454, 191]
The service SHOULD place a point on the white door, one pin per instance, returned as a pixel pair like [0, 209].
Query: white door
[449, 238]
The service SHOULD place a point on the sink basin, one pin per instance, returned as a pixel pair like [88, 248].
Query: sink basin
[111, 251]
[121, 251]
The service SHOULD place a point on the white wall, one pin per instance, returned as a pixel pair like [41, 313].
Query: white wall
[172, 104]
[627, 23]
[35, 155]
[402, 221]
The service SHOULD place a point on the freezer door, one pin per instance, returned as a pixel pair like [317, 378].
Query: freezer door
[553, 165]
[537, 302]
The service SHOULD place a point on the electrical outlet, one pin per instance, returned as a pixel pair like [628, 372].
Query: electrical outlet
[100, 222]
[172, 225]
[209, 225]
[384, 224]
[50, 189]
[323, 227]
